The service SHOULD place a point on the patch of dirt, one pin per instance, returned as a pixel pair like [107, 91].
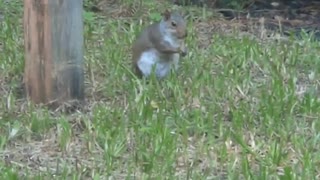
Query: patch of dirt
[45, 155]
[285, 17]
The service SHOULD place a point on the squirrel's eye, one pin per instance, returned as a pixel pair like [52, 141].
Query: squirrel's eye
[173, 23]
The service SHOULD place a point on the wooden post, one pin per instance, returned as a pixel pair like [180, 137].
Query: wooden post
[53, 34]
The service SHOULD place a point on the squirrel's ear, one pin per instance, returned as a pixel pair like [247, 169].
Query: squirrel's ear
[166, 14]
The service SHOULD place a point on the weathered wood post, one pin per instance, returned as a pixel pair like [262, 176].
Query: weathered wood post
[53, 34]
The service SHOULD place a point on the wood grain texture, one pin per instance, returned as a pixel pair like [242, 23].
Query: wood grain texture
[53, 32]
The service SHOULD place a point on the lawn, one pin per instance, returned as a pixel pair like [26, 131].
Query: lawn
[243, 105]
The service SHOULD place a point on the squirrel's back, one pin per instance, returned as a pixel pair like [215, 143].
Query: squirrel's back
[143, 41]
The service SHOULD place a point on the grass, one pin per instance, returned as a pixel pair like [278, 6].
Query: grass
[239, 108]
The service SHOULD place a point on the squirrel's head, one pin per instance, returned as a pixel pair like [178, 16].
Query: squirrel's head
[175, 24]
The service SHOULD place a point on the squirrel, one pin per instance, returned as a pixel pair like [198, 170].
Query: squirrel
[159, 46]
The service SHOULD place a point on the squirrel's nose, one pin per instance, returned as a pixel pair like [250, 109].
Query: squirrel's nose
[185, 34]
[182, 35]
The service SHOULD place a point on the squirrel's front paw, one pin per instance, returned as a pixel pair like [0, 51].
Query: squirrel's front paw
[184, 51]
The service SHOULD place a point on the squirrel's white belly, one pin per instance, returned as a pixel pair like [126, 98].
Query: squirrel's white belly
[152, 59]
